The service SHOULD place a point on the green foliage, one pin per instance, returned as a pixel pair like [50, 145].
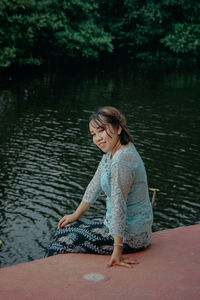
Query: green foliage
[33, 32]
[154, 30]
[184, 38]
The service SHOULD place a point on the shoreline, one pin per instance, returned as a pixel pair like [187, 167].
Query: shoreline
[168, 269]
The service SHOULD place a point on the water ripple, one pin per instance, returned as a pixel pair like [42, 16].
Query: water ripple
[47, 157]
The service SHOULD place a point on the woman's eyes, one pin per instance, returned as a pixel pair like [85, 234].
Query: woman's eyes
[93, 134]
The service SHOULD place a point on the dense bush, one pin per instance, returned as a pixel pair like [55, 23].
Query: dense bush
[34, 31]
[152, 30]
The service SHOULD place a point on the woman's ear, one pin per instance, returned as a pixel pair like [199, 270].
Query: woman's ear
[119, 130]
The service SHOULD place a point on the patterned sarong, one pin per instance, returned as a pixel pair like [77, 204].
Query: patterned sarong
[84, 236]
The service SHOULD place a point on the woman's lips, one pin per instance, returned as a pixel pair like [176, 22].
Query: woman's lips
[101, 144]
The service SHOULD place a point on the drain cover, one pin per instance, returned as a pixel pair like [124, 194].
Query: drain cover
[93, 277]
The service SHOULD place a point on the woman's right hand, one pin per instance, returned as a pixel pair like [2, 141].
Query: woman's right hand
[66, 220]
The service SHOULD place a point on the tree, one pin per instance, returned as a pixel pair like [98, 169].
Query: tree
[150, 30]
[32, 31]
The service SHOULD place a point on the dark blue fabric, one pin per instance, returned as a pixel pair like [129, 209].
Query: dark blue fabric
[84, 236]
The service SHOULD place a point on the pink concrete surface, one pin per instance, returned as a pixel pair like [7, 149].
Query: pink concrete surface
[168, 269]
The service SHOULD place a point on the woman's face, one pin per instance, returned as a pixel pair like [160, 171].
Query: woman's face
[107, 139]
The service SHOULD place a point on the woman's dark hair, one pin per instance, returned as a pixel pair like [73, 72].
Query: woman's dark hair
[111, 115]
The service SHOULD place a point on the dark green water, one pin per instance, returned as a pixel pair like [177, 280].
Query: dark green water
[47, 158]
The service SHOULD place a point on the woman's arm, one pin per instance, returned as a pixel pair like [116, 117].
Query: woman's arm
[121, 180]
[83, 207]
[90, 195]
[94, 189]
[117, 259]
[117, 251]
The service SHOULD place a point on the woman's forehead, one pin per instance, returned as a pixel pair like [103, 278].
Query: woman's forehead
[94, 127]
[97, 123]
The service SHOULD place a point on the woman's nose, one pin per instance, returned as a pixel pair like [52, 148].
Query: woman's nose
[98, 136]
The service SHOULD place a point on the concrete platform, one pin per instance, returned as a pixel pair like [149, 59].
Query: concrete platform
[169, 269]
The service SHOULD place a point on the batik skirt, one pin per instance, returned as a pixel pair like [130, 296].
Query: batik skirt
[85, 236]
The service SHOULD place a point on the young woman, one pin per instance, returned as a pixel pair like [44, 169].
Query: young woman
[121, 175]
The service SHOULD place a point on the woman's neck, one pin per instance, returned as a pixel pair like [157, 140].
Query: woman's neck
[117, 147]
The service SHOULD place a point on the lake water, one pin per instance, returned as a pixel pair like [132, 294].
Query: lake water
[47, 157]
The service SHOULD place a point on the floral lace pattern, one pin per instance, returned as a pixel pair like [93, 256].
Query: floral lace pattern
[129, 212]
[123, 179]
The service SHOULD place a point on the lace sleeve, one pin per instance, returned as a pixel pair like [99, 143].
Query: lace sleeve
[121, 181]
[94, 187]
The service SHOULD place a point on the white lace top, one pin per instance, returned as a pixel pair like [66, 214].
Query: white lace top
[123, 179]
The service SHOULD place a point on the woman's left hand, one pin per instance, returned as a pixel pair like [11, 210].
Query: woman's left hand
[118, 260]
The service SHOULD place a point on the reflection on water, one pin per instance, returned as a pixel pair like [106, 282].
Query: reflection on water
[47, 158]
